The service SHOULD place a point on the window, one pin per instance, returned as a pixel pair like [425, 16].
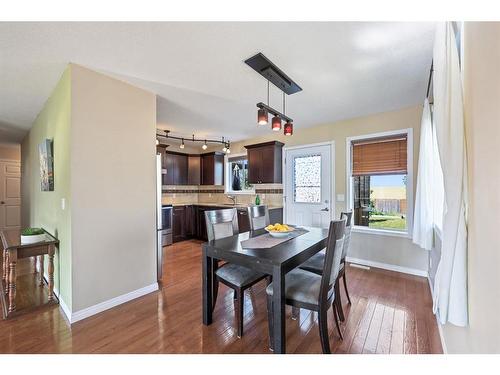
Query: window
[237, 175]
[307, 179]
[379, 181]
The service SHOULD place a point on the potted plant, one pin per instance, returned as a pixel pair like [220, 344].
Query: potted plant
[32, 235]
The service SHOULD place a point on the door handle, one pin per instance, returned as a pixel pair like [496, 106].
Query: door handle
[2, 202]
[326, 209]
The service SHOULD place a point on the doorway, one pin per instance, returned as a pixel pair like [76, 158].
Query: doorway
[309, 181]
[10, 194]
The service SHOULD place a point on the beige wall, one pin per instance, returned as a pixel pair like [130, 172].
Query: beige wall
[482, 119]
[395, 251]
[113, 159]
[43, 208]
[10, 151]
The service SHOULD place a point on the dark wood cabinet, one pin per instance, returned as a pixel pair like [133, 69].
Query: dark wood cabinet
[191, 221]
[264, 163]
[201, 224]
[212, 168]
[194, 170]
[179, 224]
[176, 165]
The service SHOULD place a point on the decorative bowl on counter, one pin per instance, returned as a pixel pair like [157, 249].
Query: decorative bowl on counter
[279, 230]
[32, 235]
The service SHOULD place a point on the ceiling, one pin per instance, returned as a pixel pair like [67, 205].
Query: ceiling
[346, 69]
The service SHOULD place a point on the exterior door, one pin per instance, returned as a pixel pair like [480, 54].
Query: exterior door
[308, 185]
[10, 195]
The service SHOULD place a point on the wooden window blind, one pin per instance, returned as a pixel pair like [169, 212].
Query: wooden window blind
[380, 156]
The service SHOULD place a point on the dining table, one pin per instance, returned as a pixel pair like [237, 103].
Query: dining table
[275, 261]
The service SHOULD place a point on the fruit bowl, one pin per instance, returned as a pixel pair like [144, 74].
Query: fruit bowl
[279, 230]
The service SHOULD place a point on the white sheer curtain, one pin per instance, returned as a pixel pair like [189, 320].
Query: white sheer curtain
[450, 285]
[423, 220]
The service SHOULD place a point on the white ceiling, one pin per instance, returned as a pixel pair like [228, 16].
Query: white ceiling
[345, 69]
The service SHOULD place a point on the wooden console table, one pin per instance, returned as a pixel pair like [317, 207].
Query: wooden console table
[14, 250]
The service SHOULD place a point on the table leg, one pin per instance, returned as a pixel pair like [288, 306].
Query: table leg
[279, 311]
[12, 282]
[51, 276]
[40, 260]
[207, 269]
[4, 264]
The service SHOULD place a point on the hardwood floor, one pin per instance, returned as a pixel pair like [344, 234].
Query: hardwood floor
[390, 313]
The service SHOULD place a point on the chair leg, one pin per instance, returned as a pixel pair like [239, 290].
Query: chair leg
[337, 323]
[239, 302]
[338, 300]
[345, 287]
[323, 330]
[270, 321]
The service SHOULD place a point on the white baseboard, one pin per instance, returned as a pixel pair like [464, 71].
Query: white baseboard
[100, 307]
[390, 267]
[440, 326]
[106, 305]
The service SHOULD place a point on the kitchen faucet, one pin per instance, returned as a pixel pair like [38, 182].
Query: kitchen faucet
[233, 198]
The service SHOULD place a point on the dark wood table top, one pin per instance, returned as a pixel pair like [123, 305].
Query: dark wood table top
[289, 252]
[11, 239]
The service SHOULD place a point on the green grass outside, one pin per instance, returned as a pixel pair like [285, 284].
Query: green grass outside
[387, 222]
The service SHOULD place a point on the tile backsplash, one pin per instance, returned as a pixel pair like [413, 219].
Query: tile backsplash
[270, 194]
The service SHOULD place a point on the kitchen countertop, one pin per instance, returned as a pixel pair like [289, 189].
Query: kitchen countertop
[220, 205]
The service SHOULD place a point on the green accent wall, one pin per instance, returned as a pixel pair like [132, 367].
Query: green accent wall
[44, 209]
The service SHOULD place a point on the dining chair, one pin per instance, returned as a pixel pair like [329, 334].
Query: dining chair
[315, 264]
[308, 290]
[220, 224]
[258, 217]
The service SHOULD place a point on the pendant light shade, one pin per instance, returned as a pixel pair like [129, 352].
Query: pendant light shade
[276, 125]
[182, 144]
[288, 130]
[262, 116]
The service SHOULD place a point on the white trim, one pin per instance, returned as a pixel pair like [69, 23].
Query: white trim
[381, 232]
[106, 305]
[389, 267]
[409, 181]
[440, 326]
[333, 202]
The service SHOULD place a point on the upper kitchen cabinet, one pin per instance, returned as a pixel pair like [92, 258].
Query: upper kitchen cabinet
[264, 163]
[176, 165]
[194, 170]
[212, 168]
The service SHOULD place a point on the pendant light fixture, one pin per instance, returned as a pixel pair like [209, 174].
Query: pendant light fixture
[276, 126]
[262, 115]
[265, 67]
[182, 144]
[288, 128]
[204, 147]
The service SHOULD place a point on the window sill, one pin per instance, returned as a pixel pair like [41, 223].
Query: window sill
[381, 232]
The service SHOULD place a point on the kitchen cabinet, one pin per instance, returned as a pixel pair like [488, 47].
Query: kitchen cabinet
[265, 163]
[176, 165]
[179, 224]
[212, 168]
[201, 224]
[194, 170]
[191, 221]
